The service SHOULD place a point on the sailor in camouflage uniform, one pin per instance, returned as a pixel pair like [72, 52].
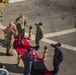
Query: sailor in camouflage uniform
[39, 34]
[20, 24]
[9, 39]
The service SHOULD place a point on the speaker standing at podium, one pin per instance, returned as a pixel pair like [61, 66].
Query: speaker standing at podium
[28, 61]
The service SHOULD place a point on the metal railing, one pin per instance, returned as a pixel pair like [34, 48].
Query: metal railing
[5, 71]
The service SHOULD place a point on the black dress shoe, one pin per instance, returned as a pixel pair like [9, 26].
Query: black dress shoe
[53, 72]
[36, 48]
[9, 54]
[4, 43]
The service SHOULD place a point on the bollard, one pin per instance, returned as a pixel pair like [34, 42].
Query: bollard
[19, 61]
[30, 33]
[45, 53]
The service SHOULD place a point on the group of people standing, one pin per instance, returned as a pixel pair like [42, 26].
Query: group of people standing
[19, 26]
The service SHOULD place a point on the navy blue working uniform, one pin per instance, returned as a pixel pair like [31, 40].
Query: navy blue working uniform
[28, 62]
[58, 57]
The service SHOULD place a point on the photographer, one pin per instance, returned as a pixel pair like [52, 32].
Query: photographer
[57, 58]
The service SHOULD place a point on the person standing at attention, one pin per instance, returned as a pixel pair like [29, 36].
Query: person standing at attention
[39, 34]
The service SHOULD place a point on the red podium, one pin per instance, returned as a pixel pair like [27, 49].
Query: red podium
[38, 68]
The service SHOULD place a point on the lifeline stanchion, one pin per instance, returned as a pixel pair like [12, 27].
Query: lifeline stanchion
[4, 71]
[45, 53]
[30, 33]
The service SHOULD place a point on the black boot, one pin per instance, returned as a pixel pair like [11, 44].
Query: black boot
[37, 47]
[9, 54]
